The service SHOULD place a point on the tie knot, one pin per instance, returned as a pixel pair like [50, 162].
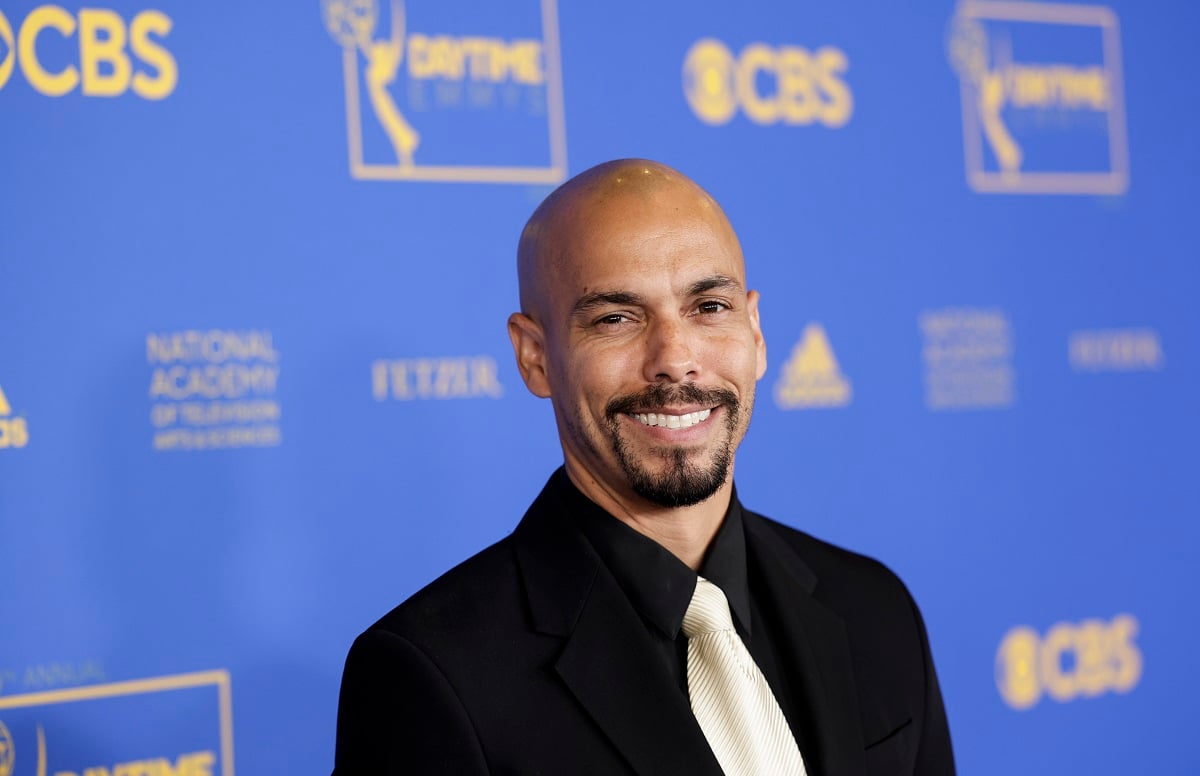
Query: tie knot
[708, 612]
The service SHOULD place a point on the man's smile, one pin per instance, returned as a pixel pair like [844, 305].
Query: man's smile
[672, 421]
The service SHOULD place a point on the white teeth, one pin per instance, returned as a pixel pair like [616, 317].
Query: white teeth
[673, 421]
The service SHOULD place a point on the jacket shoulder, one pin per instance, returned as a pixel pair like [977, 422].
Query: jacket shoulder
[468, 600]
[825, 556]
[856, 585]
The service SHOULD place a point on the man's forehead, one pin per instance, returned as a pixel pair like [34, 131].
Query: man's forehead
[625, 218]
[650, 262]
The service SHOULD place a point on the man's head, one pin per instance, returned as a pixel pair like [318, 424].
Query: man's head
[635, 321]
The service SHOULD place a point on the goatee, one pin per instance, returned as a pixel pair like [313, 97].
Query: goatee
[684, 483]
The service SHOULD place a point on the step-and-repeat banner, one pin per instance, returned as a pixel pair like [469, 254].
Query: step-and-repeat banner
[255, 384]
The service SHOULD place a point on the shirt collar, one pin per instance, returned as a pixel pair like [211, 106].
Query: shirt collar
[658, 584]
[725, 564]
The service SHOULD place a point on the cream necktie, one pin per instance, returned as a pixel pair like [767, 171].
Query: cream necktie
[730, 697]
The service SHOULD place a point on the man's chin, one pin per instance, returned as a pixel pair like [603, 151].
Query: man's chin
[676, 494]
[677, 481]
[671, 463]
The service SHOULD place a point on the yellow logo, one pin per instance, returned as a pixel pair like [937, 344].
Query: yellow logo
[6, 64]
[470, 108]
[6, 751]
[811, 377]
[771, 84]
[1044, 125]
[105, 42]
[191, 764]
[87, 702]
[14, 431]
[1073, 660]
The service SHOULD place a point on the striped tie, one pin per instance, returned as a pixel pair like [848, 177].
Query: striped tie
[730, 697]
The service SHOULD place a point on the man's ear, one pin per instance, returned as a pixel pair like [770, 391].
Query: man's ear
[760, 344]
[529, 346]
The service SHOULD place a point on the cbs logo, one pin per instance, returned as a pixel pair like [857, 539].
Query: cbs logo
[105, 68]
[780, 84]
[1073, 660]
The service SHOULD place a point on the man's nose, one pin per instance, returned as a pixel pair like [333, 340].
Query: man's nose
[670, 353]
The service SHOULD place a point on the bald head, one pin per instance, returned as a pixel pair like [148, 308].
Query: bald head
[637, 324]
[582, 208]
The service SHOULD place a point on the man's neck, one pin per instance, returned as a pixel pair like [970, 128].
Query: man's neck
[685, 532]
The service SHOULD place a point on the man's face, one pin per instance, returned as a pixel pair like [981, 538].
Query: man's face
[652, 345]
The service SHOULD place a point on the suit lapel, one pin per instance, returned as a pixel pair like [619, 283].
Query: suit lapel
[610, 666]
[820, 666]
[607, 661]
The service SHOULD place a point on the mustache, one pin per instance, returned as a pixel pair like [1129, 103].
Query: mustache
[660, 395]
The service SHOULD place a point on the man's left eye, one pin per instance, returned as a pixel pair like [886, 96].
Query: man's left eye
[712, 307]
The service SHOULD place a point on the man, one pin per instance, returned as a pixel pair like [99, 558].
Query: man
[565, 648]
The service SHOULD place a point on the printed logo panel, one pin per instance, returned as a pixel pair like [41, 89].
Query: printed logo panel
[1116, 350]
[448, 91]
[1071, 661]
[811, 377]
[769, 84]
[448, 377]
[96, 51]
[214, 389]
[1042, 98]
[968, 357]
[178, 725]
[14, 431]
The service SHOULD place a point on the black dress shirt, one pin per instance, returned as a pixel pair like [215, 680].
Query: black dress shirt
[660, 587]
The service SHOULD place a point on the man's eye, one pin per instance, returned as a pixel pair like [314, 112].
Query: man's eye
[612, 320]
[712, 307]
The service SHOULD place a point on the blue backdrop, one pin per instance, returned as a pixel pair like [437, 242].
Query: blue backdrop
[255, 386]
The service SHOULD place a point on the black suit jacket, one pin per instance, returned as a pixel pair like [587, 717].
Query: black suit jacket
[529, 659]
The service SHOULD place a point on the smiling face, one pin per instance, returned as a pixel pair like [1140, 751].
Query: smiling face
[638, 326]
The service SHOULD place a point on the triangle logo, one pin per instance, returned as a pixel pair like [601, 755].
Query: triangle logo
[5, 409]
[811, 377]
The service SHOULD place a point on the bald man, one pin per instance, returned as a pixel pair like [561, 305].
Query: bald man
[561, 649]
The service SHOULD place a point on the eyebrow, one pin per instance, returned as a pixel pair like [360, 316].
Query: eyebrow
[713, 283]
[592, 301]
[603, 299]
